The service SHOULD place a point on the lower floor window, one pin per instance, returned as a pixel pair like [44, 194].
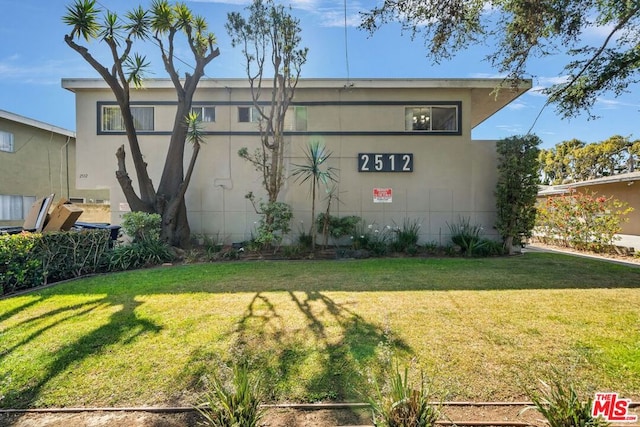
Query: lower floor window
[15, 208]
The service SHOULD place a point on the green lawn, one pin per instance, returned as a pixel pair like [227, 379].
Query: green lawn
[480, 328]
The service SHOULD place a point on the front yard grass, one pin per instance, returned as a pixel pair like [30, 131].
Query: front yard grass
[482, 329]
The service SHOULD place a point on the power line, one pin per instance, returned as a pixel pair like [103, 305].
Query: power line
[346, 43]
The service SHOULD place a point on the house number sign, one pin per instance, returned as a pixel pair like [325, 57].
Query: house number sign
[385, 162]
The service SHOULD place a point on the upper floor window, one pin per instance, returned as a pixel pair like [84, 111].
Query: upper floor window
[205, 114]
[14, 208]
[436, 118]
[112, 120]
[248, 115]
[6, 141]
[299, 118]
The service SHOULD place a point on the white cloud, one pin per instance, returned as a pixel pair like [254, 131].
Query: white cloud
[614, 104]
[486, 76]
[516, 105]
[48, 72]
[510, 128]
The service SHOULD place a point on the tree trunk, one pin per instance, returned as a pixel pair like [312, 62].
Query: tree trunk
[508, 245]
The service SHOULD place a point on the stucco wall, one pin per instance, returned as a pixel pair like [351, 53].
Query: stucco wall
[452, 175]
[627, 192]
[43, 162]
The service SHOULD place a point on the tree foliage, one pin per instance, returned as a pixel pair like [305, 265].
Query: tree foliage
[161, 24]
[517, 187]
[270, 41]
[523, 30]
[582, 220]
[574, 160]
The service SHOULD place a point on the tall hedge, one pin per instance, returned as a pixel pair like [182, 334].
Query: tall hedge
[29, 260]
[20, 268]
[517, 187]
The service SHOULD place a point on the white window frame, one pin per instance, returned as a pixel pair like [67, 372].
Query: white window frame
[254, 114]
[15, 207]
[117, 122]
[6, 142]
[205, 113]
[422, 118]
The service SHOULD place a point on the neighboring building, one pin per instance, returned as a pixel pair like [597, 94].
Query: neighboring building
[37, 159]
[624, 187]
[412, 136]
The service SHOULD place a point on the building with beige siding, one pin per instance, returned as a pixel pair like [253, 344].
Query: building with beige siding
[402, 147]
[622, 187]
[38, 159]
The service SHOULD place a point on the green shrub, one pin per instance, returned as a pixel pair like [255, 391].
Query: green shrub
[274, 224]
[142, 226]
[560, 405]
[69, 254]
[139, 254]
[406, 237]
[488, 247]
[467, 236]
[371, 238]
[398, 404]
[234, 405]
[580, 220]
[337, 227]
[28, 260]
[19, 267]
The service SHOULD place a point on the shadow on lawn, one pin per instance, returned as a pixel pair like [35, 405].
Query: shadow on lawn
[122, 327]
[326, 359]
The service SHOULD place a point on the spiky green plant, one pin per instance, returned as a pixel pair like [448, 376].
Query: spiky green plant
[315, 171]
[236, 405]
[398, 404]
[560, 405]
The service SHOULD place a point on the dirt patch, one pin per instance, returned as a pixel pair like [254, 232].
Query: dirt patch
[273, 418]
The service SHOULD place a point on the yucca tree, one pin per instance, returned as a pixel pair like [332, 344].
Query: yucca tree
[315, 171]
[161, 23]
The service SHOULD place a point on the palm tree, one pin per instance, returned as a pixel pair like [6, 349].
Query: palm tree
[314, 172]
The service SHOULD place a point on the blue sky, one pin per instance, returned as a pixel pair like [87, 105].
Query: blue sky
[34, 58]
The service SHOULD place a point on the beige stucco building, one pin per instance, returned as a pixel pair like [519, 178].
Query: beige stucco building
[403, 149]
[37, 159]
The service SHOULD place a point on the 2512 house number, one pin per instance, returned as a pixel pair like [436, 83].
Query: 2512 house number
[385, 162]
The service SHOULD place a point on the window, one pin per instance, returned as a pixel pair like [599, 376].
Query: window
[205, 114]
[112, 119]
[6, 141]
[300, 119]
[13, 208]
[440, 118]
[248, 114]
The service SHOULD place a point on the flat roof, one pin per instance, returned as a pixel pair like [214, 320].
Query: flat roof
[551, 190]
[36, 123]
[73, 84]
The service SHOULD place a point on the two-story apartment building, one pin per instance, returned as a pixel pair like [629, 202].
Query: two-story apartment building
[402, 147]
[37, 159]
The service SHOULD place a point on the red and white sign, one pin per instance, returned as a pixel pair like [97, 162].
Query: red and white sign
[612, 408]
[382, 195]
